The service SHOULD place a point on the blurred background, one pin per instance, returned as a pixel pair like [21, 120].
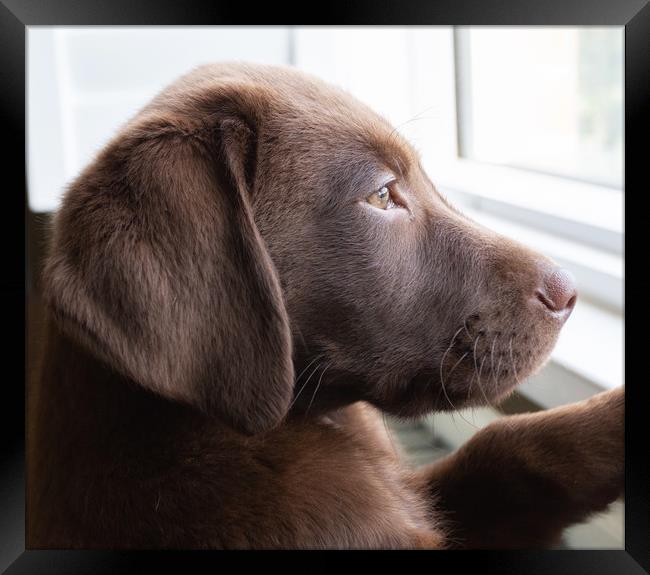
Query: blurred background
[522, 128]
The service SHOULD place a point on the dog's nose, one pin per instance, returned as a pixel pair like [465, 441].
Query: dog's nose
[558, 291]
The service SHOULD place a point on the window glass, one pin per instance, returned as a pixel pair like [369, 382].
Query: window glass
[545, 99]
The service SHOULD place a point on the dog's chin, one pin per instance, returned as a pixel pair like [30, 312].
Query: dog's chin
[467, 387]
[471, 386]
[486, 359]
[475, 396]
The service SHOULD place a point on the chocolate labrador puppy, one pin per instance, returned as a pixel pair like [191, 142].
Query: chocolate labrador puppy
[246, 276]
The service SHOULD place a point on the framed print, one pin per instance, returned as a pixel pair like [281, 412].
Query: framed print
[350, 284]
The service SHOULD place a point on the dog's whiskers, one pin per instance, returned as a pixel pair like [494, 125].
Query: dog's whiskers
[492, 357]
[442, 363]
[456, 364]
[319, 356]
[479, 371]
[474, 354]
[467, 331]
[478, 381]
[471, 381]
[317, 387]
[418, 116]
[307, 380]
[442, 382]
[514, 367]
[495, 376]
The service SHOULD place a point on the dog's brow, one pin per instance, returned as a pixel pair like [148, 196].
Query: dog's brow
[352, 178]
[397, 155]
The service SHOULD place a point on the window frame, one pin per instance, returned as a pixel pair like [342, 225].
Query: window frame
[464, 89]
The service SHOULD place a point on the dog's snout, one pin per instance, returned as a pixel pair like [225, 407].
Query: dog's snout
[557, 291]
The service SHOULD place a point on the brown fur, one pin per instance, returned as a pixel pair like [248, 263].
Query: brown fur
[229, 315]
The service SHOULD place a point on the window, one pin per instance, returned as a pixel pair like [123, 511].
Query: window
[549, 100]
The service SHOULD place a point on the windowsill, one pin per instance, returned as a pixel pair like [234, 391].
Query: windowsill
[587, 359]
[594, 209]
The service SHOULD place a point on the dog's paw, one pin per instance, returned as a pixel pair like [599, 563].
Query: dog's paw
[600, 423]
[578, 448]
[589, 436]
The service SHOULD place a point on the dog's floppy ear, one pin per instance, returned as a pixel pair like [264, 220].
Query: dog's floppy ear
[156, 266]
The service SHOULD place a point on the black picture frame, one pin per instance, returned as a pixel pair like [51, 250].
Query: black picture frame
[17, 15]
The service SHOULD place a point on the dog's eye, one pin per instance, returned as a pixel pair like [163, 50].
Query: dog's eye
[382, 198]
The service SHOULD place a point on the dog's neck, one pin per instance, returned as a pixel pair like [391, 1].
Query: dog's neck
[313, 402]
[80, 404]
[319, 388]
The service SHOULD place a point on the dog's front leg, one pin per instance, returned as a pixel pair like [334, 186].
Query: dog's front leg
[521, 480]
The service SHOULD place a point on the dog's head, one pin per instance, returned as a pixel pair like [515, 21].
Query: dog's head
[255, 239]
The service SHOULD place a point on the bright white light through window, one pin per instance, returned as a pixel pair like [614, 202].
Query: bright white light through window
[544, 99]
